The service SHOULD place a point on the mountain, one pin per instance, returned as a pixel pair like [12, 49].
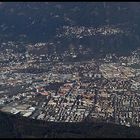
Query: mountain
[13, 126]
[40, 22]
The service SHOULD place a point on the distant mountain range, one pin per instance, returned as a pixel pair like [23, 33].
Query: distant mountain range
[39, 21]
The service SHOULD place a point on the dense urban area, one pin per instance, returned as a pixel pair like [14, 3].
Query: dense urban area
[48, 87]
[69, 68]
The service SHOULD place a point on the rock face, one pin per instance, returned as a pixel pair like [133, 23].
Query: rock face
[20, 127]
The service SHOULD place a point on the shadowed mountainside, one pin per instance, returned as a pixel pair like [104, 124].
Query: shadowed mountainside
[17, 126]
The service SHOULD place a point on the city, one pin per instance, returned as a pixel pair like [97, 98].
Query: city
[48, 87]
